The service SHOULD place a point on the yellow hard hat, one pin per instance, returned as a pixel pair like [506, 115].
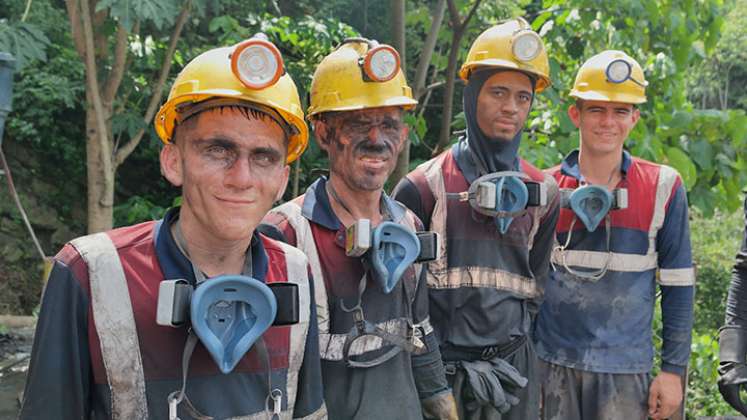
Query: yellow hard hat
[250, 72]
[359, 74]
[611, 76]
[510, 45]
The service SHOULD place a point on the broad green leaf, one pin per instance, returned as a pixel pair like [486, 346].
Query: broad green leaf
[24, 41]
[127, 12]
[682, 163]
[702, 153]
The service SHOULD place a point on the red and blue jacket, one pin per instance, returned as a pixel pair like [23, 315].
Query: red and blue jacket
[605, 325]
[67, 377]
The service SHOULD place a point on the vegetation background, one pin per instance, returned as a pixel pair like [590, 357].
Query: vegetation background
[91, 73]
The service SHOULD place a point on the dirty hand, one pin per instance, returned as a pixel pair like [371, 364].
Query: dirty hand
[664, 395]
[441, 406]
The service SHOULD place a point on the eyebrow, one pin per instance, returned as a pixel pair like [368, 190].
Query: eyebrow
[230, 144]
[216, 141]
[505, 89]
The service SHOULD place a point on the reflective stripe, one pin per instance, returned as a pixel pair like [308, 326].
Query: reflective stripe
[677, 276]
[597, 260]
[441, 276]
[437, 269]
[320, 413]
[425, 325]
[305, 242]
[115, 326]
[330, 345]
[297, 270]
[489, 277]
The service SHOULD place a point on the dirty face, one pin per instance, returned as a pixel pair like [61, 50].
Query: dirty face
[230, 163]
[362, 145]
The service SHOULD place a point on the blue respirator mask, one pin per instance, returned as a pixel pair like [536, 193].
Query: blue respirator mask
[503, 196]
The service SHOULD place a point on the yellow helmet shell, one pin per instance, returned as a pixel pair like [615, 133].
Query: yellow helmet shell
[209, 75]
[495, 48]
[339, 85]
[592, 84]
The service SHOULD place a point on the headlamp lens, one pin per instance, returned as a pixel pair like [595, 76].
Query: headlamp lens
[527, 46]
[381, 63]
[618, 71]
[257, 63]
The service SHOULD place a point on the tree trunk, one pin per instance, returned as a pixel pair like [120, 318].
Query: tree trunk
[445, 135]
[398, 32]
[100, 184]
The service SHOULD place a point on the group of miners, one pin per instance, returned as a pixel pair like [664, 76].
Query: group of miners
[482, 288]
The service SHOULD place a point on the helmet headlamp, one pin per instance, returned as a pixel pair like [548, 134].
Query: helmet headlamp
[381, 63]
[257, 63]
[526, 46]
[619, 71]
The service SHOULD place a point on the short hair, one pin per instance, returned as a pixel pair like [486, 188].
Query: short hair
[247, 112]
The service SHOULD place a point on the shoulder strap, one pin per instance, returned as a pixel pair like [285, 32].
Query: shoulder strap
[115, 326]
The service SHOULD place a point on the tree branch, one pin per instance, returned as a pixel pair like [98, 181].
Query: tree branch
[429, 47]
[95, 96]
[471, 13]
[119, 65]
[75, 29]
[454, 16]
[125, 151]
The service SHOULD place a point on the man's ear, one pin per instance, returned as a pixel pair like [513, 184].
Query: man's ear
[636, 115]
[321, 130]
[281, 190]
[574, 114]
[172, 165]
[403, 137]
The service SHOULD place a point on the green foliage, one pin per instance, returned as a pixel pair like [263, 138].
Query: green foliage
[160, 12]
[721, 80]
[703, 398]
[715, 241]
[138, 209]
[24, 40]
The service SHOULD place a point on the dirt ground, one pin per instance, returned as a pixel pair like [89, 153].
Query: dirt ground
[15, 349]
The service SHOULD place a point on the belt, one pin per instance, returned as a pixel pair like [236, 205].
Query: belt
[454, 353]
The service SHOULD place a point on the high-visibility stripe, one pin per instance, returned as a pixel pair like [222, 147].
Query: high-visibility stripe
[305, 242]
[597, 260]
[677, 276]
[297, 271]
[115, 325]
